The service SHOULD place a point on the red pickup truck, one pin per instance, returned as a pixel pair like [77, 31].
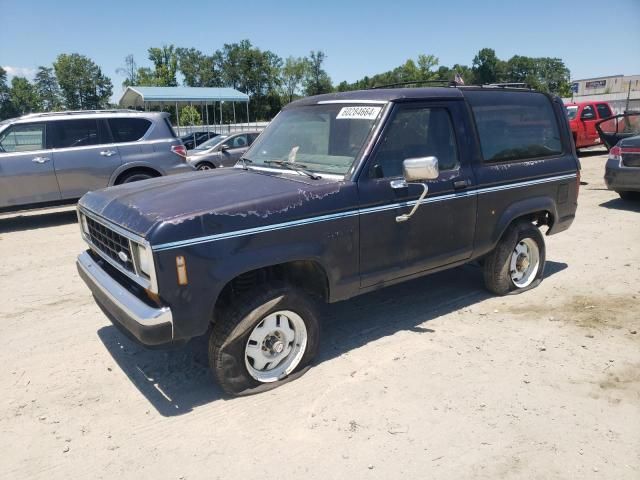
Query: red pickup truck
[583, 117]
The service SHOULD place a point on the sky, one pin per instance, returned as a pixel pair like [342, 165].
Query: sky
[593, 37]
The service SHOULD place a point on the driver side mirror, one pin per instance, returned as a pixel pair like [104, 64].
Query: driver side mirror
[423, 168]
[224, 147]
[417, 170]
[587, 116]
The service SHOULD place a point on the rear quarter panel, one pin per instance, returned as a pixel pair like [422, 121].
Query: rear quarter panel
[507, 190]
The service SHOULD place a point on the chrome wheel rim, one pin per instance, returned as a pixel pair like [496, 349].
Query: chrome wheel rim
[204, 166]
[525, 262]
[275, 346]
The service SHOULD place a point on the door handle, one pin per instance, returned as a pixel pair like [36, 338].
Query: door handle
[40, 159]
[460, 184]
[107, 153]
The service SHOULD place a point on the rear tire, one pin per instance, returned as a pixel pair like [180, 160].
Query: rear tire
[266, 338]
[134, 177]
[516, 264]
[629, 196]
[205, 166]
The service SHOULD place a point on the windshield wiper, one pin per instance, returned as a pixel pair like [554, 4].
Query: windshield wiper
[296, 167]
[244, 162]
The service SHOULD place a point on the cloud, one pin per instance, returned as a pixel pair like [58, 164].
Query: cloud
[19, 71]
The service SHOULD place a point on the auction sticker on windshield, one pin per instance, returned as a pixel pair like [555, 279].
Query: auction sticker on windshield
[363, 113]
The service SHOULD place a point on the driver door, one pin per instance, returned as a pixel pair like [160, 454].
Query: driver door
[237, 144]
[27, 175]
[442, 229]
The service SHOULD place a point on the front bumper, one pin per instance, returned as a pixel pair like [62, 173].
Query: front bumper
[149, 325]
[620, 178]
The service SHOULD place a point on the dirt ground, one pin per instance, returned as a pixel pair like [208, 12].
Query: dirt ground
[434, 378]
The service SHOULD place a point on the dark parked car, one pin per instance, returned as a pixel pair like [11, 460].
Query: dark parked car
[192, 140]
[221, 151]
[622, 172]
[618, 127]
[342, 194]
[54, 158]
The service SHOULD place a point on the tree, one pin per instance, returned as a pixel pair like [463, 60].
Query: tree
[254, 72]
[317, 81]
[292, 75]
[425, 65]
[487, 68]
[130, 71]
[48, 89]
[7, 110]
[82, 83]
[190, 116]
[165, 62]
[24, 96]
[198, 69]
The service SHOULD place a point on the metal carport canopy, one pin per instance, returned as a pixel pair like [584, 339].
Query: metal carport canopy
[153, 96]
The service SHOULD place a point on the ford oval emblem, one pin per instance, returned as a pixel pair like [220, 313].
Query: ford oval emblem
[123, 256]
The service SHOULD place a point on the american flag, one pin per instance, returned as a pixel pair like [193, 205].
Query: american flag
[458, 79]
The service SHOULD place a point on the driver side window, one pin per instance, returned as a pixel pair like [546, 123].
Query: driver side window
[239, 142]
[588, 113]
[23, 138]
[413, 133]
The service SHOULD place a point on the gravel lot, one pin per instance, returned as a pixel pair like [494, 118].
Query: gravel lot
[430, 379]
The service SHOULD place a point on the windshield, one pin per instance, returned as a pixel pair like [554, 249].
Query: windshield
[212, 142]
[572, 112]
[320, 138]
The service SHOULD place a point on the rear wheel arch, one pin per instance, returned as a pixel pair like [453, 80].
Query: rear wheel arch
[537, 210]
[122, 176]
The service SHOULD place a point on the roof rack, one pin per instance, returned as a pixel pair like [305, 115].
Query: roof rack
[510, 85]
[79, 112]
[449, 83]
[445, 83]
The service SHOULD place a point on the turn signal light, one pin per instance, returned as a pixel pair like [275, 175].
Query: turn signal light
[179, 150]
[615, 153]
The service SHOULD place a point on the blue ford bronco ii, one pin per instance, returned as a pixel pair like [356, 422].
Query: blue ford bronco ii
[342, 194]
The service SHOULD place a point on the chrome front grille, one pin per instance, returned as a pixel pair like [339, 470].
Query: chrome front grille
[112, 244]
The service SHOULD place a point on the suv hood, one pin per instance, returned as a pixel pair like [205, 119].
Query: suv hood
[181, 207]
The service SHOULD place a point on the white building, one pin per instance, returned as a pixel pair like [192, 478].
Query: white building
[613, 89]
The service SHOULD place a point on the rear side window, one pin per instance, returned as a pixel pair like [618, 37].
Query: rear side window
[128, 129]
[171, 130]
[603, 110]
[515, 125]
[75, 133]
[22, 138]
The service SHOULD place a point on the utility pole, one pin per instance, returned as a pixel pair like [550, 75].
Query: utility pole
[626, 108]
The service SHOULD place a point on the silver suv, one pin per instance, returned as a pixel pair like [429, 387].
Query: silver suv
[54, 158]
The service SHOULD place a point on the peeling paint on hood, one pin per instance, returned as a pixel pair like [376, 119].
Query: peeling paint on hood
[216, 201]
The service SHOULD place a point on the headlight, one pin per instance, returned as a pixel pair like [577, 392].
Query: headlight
[144, 259]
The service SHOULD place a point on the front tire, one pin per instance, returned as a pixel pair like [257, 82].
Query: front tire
[205, 166]
[516, 264]
[267, 337]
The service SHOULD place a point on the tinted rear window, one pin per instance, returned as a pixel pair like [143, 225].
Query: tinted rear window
[168, 123]
[128, 129]
[75, 133]
[515, 125]
[603, 110]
